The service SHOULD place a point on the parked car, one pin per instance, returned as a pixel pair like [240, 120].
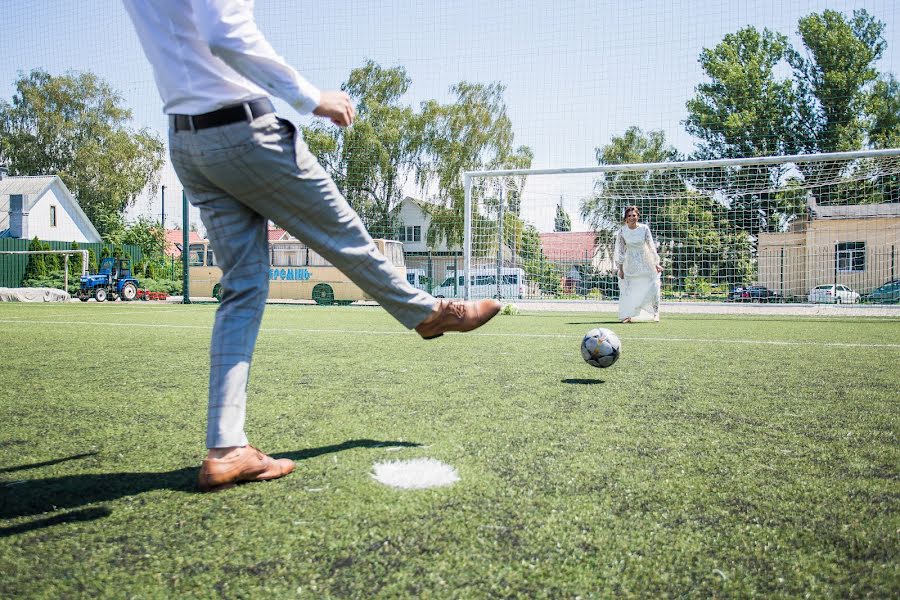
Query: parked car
[888, 293]
[753, 293]
[833, 294]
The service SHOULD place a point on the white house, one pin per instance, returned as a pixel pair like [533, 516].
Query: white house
[413, 221]
[42, 207]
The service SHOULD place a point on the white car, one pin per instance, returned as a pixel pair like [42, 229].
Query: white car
[833, 294]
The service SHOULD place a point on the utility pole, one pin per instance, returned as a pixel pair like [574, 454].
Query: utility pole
[162, 220]
[185, 250]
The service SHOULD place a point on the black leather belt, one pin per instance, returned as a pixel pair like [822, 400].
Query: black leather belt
[225, 116]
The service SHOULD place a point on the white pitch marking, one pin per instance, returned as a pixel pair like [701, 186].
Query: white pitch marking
[479, 334]
[415, 474]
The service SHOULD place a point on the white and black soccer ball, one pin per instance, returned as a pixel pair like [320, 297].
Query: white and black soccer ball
[600, 348]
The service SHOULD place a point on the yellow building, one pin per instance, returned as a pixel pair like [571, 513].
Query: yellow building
[856, 245]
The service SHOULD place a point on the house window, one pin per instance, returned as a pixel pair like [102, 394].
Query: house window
[52, 216]
[850, 256]
[412, 233]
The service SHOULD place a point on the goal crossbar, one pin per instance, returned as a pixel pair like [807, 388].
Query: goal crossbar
[691, 164]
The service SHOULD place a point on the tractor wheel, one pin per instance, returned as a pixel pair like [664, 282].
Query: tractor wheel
[129, 292]
[83, 297]
[323, 294]
[100, 294]
[217, 292]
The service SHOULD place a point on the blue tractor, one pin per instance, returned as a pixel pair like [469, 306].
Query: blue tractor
[113, 281]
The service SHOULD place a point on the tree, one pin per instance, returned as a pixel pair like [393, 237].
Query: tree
[884, 108]
[562, 222]
[614, 191]
[75, 126]
[75, 263]
[745, 109]
[148, 235]
[370, 161]
[36, 267]
[471, 133]
[835, 77]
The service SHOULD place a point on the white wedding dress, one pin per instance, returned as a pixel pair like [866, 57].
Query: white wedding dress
[639, 290]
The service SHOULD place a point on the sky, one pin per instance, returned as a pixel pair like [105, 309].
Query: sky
[576, 72]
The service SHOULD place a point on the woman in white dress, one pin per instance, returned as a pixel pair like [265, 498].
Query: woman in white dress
[639, 269]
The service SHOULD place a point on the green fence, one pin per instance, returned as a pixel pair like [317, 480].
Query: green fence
[12, 266]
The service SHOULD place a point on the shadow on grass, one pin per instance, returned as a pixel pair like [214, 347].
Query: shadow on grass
[582, 381]
[46, 463]
[38, 496]
[596, 322]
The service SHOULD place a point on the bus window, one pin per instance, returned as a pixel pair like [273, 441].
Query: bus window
[195, 255]
[393, 251]
[210, 258]
[289, 255]
[485, 280]
[316, 259]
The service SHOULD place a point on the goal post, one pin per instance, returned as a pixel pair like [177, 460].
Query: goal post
[65, 253]
[760, 229]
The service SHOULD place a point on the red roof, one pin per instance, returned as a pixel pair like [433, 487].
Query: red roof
[174, 239]
[276, 234]
[569, 246]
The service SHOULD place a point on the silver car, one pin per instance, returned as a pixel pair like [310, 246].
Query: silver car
[833, 294]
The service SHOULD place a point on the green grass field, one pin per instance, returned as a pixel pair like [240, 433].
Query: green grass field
[720, 457]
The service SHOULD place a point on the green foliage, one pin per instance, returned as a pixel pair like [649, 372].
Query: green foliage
[171, 287]
[37, 266]
[74, 262]
[52, 261]
[745, 109]
[884, 107]
[53, 279]
[371, 161]
[148, 235]
[562, 222]
[834, 81]
[473, 132]
[604, 209]
[696, 286]
[75, 126]
[92, 261]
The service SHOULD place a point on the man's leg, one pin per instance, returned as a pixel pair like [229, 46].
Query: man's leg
[238, 238]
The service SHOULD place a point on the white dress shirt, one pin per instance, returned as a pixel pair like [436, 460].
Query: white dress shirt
[207, 54]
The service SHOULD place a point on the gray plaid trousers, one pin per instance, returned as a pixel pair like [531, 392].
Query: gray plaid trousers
[240, 176]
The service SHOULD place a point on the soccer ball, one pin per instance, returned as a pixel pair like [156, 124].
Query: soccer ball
[600, 348]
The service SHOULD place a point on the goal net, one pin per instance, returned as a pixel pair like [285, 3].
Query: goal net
[770, 229]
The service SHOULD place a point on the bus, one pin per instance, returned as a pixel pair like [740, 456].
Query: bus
[296, 272]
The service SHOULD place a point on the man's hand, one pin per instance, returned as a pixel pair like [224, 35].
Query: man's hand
[336, 107]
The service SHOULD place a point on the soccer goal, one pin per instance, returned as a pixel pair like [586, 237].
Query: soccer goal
[766, 229]
[64, 253]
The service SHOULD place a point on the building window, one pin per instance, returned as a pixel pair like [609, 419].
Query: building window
[850, 256]
[412, 233]
[52, 216]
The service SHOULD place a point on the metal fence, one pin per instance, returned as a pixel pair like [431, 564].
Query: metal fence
[12, 266]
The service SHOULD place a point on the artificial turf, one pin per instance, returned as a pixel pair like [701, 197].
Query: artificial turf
[721, 456]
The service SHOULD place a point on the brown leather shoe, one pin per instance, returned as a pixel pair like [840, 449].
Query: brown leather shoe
[457, 315]
[248, 465]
